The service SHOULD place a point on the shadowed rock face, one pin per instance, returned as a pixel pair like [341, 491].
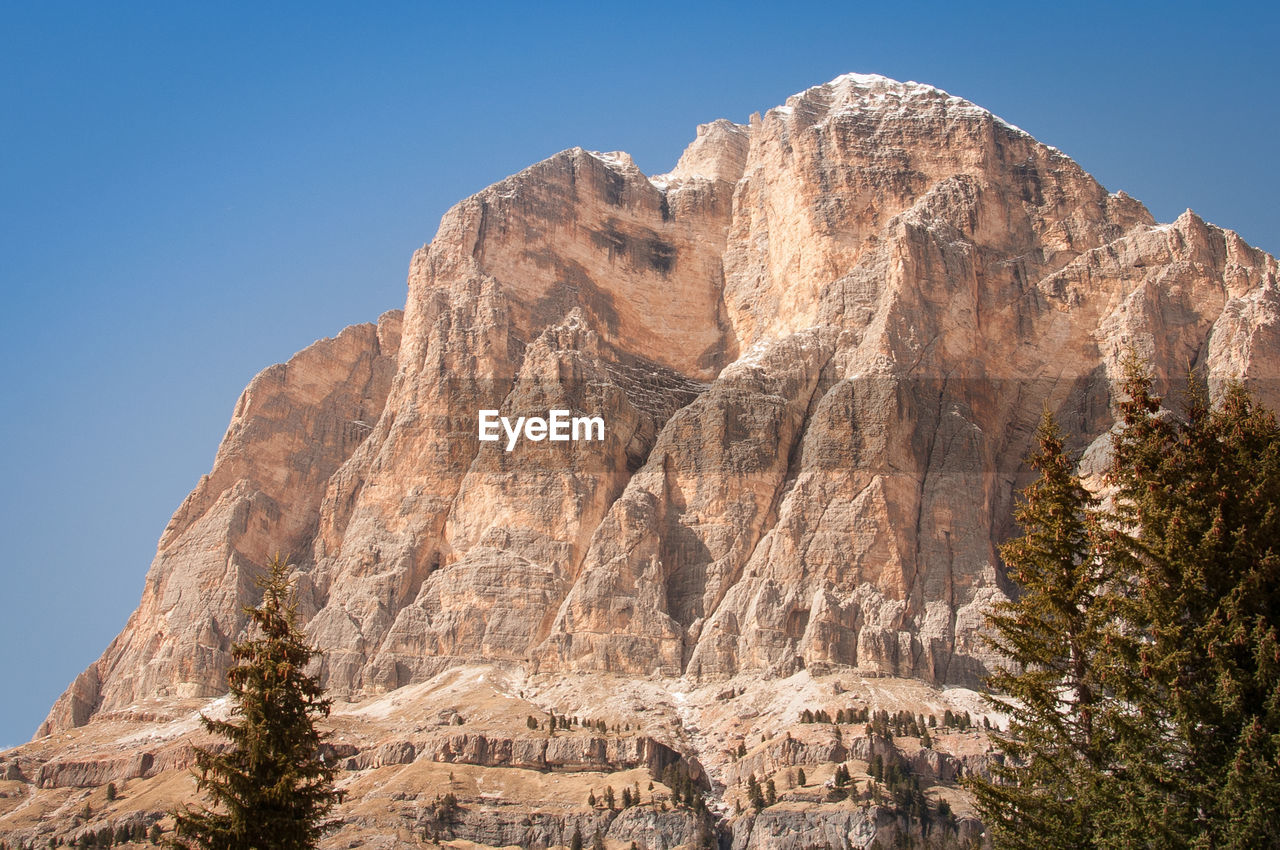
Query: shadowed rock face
[820, 344]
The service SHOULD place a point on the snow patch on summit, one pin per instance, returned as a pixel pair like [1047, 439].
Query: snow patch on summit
[618, 159]
[862, 92]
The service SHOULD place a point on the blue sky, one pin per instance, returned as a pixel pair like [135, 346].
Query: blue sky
[189, 193]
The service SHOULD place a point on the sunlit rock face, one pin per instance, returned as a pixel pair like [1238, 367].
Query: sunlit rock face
[820, 346]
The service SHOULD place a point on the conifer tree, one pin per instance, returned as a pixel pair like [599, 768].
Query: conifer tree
[1197, 664]
[271, 790]
[1160, 726]
[1050, 633]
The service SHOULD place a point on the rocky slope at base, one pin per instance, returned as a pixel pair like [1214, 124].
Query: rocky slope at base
[466, 732]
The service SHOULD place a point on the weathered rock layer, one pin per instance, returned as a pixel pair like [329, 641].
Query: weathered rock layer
[820, 346]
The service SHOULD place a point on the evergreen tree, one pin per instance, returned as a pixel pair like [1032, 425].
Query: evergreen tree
[1050, 633]
[1198, 535]
[1145, 682]
[271, 789]
[754, 795]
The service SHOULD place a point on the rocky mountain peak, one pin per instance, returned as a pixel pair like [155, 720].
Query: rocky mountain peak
[718, 153]
[819, 345]
[873, 92]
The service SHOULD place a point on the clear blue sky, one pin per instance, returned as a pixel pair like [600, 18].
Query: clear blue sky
[189, 193]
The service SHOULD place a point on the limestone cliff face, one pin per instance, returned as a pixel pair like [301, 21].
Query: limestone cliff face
[820, 344]
[293, 427]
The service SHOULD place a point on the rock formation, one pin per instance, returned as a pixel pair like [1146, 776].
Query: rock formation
[820, 346]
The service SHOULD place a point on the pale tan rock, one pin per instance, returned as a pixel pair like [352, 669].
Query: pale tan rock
[717, 154]
[535, 292]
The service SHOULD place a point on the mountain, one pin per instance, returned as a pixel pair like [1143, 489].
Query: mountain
[820, 346]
